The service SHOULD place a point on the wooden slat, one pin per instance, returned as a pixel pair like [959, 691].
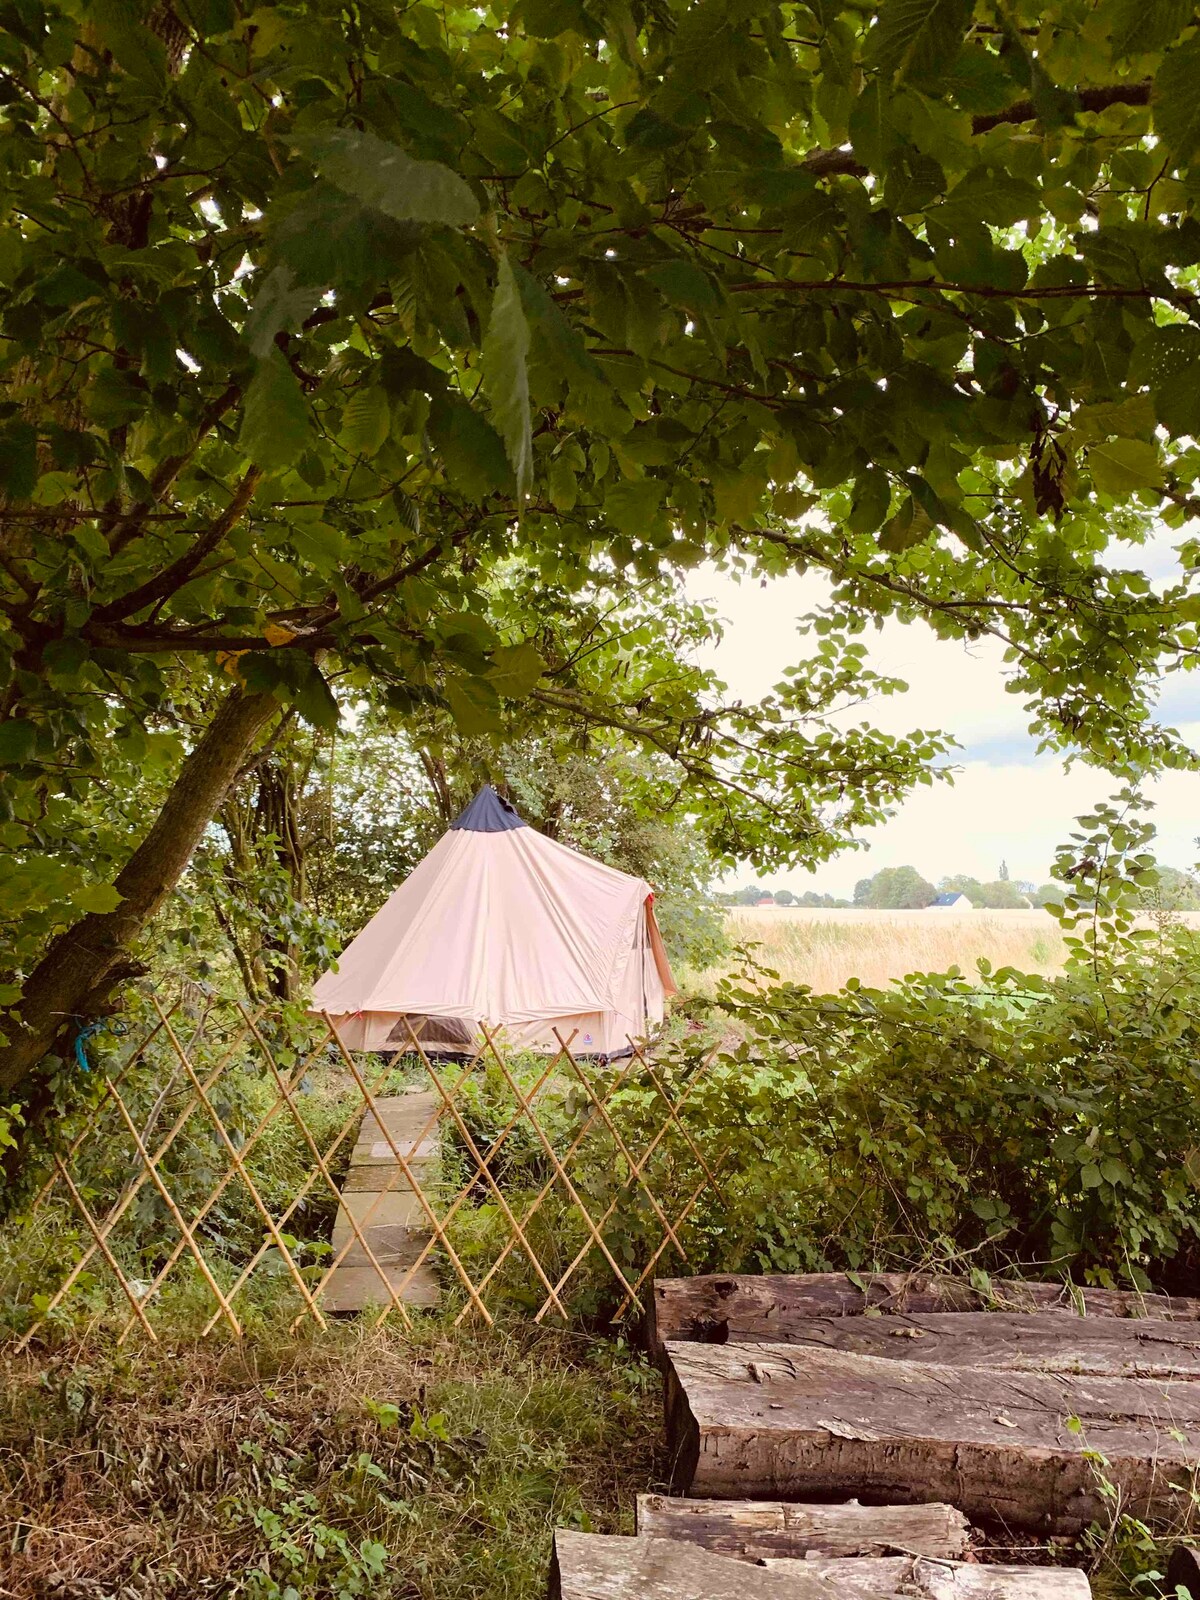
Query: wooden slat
[1014, 1341]
[596, 1567]
[777, 1420]
[754, 1529]
[745, 1308]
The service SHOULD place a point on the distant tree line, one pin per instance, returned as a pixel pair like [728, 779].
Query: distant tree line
[904, 889]
[751, 895]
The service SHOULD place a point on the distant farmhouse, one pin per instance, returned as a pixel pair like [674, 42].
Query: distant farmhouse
[952, 901]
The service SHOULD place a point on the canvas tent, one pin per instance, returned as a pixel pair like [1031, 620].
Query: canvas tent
[499, 924]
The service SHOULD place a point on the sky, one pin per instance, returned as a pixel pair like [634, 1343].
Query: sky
[1007, 803]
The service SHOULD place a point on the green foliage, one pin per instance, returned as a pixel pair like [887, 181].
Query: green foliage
[871, 291]
[894, 888]
[1048, 1122]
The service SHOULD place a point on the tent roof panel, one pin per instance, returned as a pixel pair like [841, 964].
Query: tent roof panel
[488, 813]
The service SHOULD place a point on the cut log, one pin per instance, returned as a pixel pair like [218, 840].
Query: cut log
[1015, 1341]
[778, 1420]
[744, 1308]
[595, 1567]
[589, 1566]
[754, 1529]
[946, 1580]
[1183, 1571]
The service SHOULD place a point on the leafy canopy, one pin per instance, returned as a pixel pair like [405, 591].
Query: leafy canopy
[320, 326]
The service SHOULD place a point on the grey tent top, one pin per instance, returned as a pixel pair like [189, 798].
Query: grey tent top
[488, 813]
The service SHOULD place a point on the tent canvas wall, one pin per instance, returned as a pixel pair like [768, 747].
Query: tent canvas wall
[499, 924]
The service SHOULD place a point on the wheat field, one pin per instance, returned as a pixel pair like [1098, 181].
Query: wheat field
[823, 948]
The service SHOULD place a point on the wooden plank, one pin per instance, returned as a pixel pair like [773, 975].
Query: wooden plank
[754, 1529]
[745, 1308]
[1015, 1341]
[379, 1198]
[806, 1423]
[374, 1177]
[358, 1287]
[597, 1567]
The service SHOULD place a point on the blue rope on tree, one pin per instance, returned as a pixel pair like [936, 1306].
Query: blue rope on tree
[85, 1033]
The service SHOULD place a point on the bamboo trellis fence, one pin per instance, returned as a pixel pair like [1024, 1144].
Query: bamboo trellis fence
[561, 1183]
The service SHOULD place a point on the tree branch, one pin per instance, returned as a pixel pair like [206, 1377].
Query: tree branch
[844, 163]
[181, 570]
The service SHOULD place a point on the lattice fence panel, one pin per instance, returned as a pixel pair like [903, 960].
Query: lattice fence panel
[231, 1161]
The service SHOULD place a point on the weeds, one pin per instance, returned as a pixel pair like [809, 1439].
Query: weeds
[426, 1466]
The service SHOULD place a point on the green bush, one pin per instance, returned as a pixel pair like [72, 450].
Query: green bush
[1053, 1123]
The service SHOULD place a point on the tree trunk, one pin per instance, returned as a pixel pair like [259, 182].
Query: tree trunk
[78, 972]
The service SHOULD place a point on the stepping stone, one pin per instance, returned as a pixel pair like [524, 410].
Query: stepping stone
[811, 1423]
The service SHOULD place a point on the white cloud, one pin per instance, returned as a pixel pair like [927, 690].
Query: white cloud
[1007, 803]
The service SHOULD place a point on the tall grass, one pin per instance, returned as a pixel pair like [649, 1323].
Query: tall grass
[824, 948]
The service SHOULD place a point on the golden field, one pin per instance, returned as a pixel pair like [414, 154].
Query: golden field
[823, 948]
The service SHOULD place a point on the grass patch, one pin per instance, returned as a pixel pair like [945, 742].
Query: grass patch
[425, 1466]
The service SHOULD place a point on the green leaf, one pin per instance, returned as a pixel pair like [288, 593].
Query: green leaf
[1125, 465]
[1176, 99]
[562, 484]
[515, 670]
[366, 421]
[279, 305]
[97, 898]
[314, 699]
[871, 134]
[685, 284]
[1169, 359]
[916, 40]
[122, 26]
[18, 460]
[1139, 26]
[555, 340]
[505, 379]
[384, 176]
[17, 739]
[633, 504]
[276, 424]
[114, 397]
[546, 19]
[910, 526]
[471, 449]
[473, 705]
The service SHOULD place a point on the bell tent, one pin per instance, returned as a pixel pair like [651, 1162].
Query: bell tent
[501, 925]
